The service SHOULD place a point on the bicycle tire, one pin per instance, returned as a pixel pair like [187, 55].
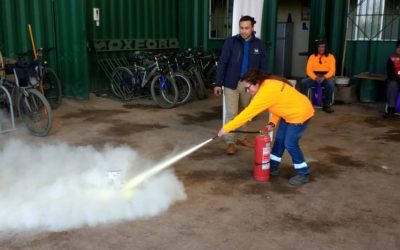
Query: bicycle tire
[184, 86]
[2, 72]
[35, 112]
[122, 83]
[52, 87]
[164, 91]
[199, 86]
[211, 74]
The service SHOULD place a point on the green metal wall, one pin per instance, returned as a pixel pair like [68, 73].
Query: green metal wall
[71, 46]
[139, 19]
[371, 56]
[328, 21]
[268, 27]
[15, 15]
[193, 24]
[56, 24]
[134, 19]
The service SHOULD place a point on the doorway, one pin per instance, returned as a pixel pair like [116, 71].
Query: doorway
[292, 37]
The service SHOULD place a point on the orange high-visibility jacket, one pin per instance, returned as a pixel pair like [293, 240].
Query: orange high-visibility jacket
[321, 63]
[281, 99]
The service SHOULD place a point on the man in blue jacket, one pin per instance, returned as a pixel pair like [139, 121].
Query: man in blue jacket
[239, 54]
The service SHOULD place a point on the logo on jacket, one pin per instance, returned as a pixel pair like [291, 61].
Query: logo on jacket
[256, 51]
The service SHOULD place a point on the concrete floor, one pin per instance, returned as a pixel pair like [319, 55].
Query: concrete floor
[352, 201]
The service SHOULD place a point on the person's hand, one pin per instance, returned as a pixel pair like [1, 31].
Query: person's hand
[217, 90]
[269, 127]
[222, 132]
[320, 79]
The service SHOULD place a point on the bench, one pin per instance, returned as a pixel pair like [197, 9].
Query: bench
[368, 85]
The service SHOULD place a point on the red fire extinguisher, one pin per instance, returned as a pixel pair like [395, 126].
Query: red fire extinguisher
[262, 151]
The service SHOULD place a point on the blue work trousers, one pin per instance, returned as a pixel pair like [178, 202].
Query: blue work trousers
[288, 137]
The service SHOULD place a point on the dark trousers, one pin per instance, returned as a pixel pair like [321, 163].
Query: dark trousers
[328, 84]
[391, 93]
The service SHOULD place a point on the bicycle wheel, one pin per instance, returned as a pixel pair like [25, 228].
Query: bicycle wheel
[52, 87]
[164, 91]
[211, 74]
[122, 83]
[35, 112]
[184, 88]
[199, 86]
[2, 73]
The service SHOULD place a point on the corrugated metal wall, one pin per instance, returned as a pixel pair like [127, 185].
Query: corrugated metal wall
[71, 46]
[134, 19]
[56, 24]
[371, 56]
[193, 23]
[15, 15]
[328, 21]
[269, 31]
[128, 19]
[318, 22]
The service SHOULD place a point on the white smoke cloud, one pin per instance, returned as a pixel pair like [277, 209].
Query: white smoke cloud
[58, 187]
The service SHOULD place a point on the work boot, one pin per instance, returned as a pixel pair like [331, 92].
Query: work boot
[299, 179]
[328, 109]
[274, 172]
[231, 149]
[244, 143]
[390, 113]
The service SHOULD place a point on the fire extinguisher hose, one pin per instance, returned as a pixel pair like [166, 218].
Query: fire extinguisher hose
[245, 132]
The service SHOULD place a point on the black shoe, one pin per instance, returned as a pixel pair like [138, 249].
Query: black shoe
[274, 172]
[390, 113]
[299, 179]
[328, 109]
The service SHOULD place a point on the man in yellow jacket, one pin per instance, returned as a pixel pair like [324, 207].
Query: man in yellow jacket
[321, 68]
[291, 109]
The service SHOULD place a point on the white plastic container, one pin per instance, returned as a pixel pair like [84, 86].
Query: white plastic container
[342, 80]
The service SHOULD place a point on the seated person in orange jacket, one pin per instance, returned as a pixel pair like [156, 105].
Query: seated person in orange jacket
[321, 68]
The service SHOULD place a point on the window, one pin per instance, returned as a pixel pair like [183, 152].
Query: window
[220, 19]
[374, 20]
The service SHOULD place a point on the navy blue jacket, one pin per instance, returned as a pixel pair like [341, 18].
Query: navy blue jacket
[230, 61]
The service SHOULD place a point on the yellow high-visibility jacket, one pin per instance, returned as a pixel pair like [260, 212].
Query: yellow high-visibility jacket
[281, 99]
[322, 64]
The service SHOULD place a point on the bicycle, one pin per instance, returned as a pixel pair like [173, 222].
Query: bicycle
[32, 106]
[209, 64]
[50, 81]
[183, 83]
[193, 68]
[5, 102]
[128, 82]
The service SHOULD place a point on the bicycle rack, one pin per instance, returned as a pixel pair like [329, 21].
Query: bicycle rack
[109, 64]
[12, 119]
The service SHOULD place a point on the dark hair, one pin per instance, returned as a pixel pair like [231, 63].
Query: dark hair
[248, 18]
[254, 77]
[398, 44]
[318, 43]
